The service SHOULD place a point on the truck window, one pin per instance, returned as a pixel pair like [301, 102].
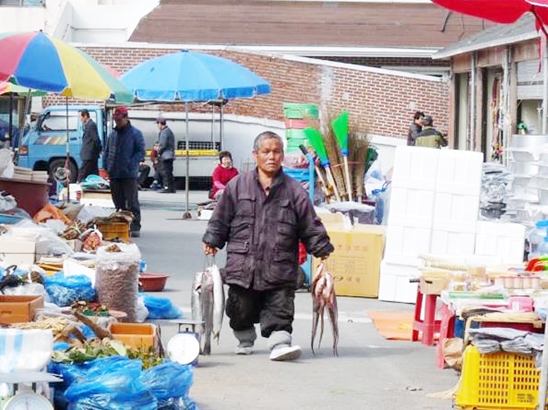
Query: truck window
[57, 121]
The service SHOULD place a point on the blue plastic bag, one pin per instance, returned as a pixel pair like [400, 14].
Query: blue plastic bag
[114, 385]
[65, 290]
[160, 308]
[168, 380]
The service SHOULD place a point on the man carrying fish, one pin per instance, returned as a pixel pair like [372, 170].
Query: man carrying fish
[261, 216]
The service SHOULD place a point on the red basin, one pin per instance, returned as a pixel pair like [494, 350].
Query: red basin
[153, 282]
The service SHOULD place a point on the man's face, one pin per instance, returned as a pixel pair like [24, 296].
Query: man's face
[420, 121]
[159, 125]
[83, 118]
[269, 157]
[121, 122]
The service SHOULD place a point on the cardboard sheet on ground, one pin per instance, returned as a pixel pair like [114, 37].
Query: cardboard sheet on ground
[393, 325]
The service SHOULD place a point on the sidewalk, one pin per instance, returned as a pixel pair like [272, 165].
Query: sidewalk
[176, 202]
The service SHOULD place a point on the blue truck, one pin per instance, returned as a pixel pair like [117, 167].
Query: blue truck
[44, 147]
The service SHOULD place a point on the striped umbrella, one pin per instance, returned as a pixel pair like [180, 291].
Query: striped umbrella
[38, 61]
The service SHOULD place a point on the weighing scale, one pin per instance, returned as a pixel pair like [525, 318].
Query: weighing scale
[26, 400]
[184, 347]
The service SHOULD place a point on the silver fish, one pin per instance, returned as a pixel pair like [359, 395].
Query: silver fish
[207, 310]
[218, 301]
[323, 295]
[196, 301]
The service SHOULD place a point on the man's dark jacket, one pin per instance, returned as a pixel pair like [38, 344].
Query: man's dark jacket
[262, 232]
[91, 145]
[124, 151]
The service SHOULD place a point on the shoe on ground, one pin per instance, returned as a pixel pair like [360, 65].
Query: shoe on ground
[285, 353]
[135, 234]
[244, 350]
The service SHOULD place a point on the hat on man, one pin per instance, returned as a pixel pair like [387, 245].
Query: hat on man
[84, 111]
[160, 120]
[119, 113]
[428, 121]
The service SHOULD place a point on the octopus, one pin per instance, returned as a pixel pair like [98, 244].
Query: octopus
[323, 296]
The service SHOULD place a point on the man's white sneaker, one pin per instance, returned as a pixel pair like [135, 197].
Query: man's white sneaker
[245, 351]
[284, 353]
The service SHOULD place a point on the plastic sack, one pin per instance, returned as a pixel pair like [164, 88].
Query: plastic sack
[117, 278]
[50, 211]
[161, 308]
[65, 290]
[168, 380]
[112, 389]
[7, 202]
[141, 311]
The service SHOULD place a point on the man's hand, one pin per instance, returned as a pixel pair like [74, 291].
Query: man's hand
[209, 250]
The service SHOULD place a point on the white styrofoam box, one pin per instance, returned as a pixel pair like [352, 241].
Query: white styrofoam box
[453, 241]
[406, 242]
[470, 259]
[17, 250]
[394, 283]
[505, 240]
[455, 210]
[411, 207]
[459, 172]
[415, 167]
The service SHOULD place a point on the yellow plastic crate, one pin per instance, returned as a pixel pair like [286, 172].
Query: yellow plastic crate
[506, 381]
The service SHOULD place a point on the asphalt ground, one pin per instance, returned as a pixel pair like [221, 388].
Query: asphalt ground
[370, 372]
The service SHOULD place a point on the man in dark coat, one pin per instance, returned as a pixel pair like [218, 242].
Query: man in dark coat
[124, 151]
[261, 217]
[415, 128]
[166, 155]
[91, 147]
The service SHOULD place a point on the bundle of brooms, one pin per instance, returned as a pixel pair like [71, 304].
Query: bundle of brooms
[341, 136]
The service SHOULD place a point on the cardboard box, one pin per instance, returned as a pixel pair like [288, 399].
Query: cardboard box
[17, 309]
[331, 217]
[433, 285]
[135, 335]
[355, 263]
[17, 251]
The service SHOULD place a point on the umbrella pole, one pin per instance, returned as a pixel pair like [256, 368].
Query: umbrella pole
[10, 132]
[221, 123]
[67, 159]
[187, 176]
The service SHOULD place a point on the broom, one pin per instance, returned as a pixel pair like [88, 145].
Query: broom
[340, 128]
[316, 140]
[323, 185]
[358, 144]
[334, 156]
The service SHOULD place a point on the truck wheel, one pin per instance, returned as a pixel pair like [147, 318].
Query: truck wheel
[60, 163]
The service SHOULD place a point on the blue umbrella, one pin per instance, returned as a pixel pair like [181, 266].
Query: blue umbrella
[188, 77]
[192, 77]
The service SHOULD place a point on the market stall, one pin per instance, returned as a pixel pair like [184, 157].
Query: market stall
[72, 273]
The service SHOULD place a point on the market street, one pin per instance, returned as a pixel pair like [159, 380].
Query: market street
[370, 372]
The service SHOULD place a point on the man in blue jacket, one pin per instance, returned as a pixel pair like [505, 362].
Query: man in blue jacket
[124, 151]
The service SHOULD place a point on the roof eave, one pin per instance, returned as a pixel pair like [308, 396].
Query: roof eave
[481, 46]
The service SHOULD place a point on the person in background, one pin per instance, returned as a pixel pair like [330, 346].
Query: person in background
[415, 128]
[166, 155]
[157, 182]
[124, 151]
[142, 179]
[222, 174]
[429, 136]
[91, 147]
[261, 217]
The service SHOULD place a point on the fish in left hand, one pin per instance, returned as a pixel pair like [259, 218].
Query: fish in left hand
[323, 296]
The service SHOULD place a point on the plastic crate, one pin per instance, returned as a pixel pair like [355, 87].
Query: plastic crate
[113, 230]
[301, 111]
[497, 381]
[135, 335]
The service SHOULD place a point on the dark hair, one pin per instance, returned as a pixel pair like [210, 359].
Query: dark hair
[418, 115]
[428, 121]
[84, 112]
[224, 154]
[266, 135]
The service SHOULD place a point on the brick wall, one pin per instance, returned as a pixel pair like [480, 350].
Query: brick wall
[382, 103]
